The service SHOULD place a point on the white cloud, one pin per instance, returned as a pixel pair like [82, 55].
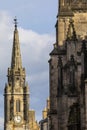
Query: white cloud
[35, 49]
[1, 123]
[34, 44]
[4, 25]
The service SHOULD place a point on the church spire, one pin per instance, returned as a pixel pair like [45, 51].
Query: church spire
[16, 55]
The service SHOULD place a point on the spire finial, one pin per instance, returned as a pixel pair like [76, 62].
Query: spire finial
[15, 22]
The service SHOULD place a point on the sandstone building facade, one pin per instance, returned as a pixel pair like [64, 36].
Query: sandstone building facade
[33, 124]
[68, 68]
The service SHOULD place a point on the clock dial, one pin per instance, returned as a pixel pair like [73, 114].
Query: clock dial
[17, 119]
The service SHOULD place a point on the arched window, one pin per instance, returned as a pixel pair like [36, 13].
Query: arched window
[72, 75]
[60, 76]
[11, 108]
[72, 70]
[17, 105]
[74, 118]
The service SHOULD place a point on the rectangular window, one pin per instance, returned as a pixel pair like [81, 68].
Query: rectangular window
[17, 105]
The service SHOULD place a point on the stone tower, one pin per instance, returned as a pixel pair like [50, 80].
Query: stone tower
[68, 68]
[75, 9]
[16, 93]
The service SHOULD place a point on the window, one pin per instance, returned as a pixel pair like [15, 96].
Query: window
[74, 117]
[72, 70]
[72, 75]
[17, 105]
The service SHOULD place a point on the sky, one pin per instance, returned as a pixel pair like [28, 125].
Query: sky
[36, 26]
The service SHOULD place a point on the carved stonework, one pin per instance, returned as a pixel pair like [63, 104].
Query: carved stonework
[74, 117]
[71, 34]
[75, 9]
[71, 73]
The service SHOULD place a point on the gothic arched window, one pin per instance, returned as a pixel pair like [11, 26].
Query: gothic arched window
[60, 77]
[72, 69]
[74, 117]
[72, 75]
[11, 108]
[17, 105]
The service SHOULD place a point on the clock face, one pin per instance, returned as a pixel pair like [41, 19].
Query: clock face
[17, 119]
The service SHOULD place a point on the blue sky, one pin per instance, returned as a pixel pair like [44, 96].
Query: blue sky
[36, 25]
[38, 15]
